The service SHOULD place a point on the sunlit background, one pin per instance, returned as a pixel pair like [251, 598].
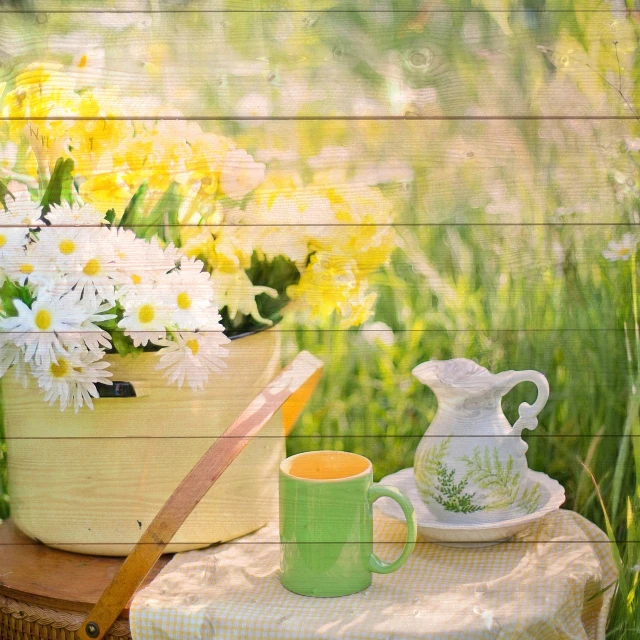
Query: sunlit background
[515, 235]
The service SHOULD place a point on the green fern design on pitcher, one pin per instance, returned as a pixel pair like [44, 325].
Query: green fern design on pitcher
[450, 494]
[426, 470]
[490, 474]
[436, 481]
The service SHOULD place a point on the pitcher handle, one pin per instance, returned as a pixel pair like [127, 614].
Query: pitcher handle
[528, 413]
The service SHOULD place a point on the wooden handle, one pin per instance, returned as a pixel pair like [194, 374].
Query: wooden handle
[303, 371]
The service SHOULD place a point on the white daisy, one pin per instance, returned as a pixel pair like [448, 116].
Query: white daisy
[66, 215]
[62, 245]
[124, 243]
[146, 318]
[190, 357]
[621, 250]
[72, 378]
[21, 207]
[13, 235]
[12, 356]
[26, 266]
[170, 253]
[91, 336]
[140, 264]
[130, 255]
[191, 296]
[95, 268]
[191, 265]
[37, 328]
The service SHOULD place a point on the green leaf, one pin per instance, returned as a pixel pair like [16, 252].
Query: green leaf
[158, 215]
[131, 218]
[124, 345]
[110, 216]
[170, 230]
[162, 221]
[60, 185]
[278, 274]
[9, 292]
[4, 192]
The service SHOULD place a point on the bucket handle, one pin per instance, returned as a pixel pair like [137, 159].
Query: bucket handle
[294, 385]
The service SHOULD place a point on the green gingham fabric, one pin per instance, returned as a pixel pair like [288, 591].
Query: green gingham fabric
[544, 584]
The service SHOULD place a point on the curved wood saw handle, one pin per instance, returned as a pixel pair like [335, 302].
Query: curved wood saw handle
[295, 384]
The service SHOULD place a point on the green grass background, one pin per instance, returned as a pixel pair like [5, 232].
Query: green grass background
[537, 296]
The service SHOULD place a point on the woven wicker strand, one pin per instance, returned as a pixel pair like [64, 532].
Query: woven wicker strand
[22, 621]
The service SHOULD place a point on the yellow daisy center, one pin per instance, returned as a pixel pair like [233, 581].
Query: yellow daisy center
[59, 369]
[67, 247]
[92, 267]
[184, 301]
[146, 313]
[82, 62]
[26, 269]
[625, 251]
[3, 240]
[135, 278]
[193, 345]
[43, 319]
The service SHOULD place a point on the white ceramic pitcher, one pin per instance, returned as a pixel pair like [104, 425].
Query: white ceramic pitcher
[470, 465]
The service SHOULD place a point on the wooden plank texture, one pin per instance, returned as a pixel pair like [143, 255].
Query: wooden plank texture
[490, 172]
[254, 60]
[51, 578]
[500, 141]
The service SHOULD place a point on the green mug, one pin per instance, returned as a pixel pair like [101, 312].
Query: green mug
[326, 523]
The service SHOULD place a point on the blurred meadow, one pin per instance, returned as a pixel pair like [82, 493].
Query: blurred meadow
[506, 136]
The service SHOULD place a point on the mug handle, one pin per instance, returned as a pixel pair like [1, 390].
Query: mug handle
[383, 491]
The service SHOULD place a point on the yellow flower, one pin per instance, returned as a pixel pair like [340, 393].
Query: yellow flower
[198, 242]
[106, 191]
[358, 308]
[324, 286]
[42, 90]
[93, 141]
[363, 231]
[205, 162]
[222, 250]
[235, 291]
[276, 184]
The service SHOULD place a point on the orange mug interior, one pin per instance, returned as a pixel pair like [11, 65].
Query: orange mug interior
[325, 465]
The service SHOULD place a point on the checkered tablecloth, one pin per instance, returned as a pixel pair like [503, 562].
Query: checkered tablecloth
[544, 584]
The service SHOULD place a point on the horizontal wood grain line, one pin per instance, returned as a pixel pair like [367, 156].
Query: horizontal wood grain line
[317, 118]
[329, 66]
[295, 225]
[458, 173]
[271, 542]
[365, 330]
[324, 436]
[356, 331]
[42, 10]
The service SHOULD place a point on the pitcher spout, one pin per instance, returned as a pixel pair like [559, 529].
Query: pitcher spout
[427, 372]
[458, 373]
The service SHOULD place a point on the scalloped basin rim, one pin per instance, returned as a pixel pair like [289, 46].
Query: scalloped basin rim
[404, 480]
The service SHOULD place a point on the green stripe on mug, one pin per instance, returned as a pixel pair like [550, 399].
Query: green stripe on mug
[326, 524]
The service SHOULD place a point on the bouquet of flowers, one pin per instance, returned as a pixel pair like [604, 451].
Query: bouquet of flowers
[75, 288]
[123, 236]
